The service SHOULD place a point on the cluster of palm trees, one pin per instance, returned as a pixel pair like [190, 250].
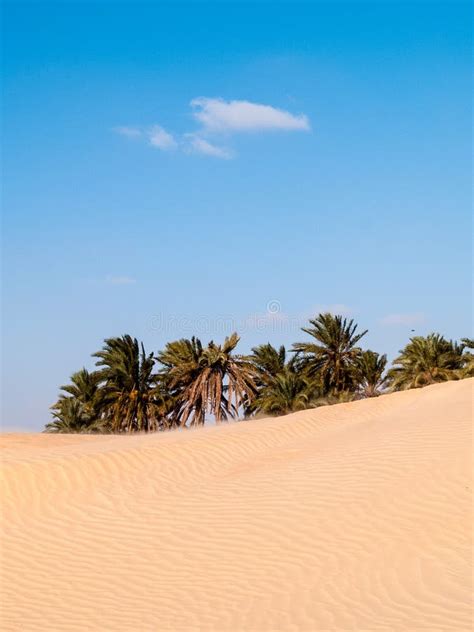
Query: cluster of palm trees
[188, 383]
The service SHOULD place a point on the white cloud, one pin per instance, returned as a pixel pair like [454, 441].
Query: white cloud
[403, 319]
[160, 138]
[129, 132]
[120, 280]
[217, 115]
[198, 145]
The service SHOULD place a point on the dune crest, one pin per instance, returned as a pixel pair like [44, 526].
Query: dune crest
[349, 517]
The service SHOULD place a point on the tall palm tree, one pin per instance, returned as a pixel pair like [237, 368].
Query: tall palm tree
[180, 361]
[208, 380]
[129, 385]
[426, 360]
[331, 357]
[369, 373]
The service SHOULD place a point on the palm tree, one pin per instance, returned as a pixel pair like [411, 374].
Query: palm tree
[179, 368]
[283, 393]
[369, 373]
[78, 408]
[69, 417]
[130, 402]
[85, 387]
[426, 360]
[332, 357]
[468, 357]
[281, 387]
[268, 361]
[206, 380]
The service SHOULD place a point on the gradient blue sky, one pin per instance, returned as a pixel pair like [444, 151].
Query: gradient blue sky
[104, 233]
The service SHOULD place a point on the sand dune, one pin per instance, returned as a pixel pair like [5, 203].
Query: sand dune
[349, 517]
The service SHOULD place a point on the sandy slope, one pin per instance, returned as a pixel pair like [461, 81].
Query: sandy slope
[350, 517]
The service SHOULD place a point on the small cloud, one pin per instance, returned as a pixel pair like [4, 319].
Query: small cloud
[198, 145]
[119, 280]
[403, 319]
[160, 138]
[217, 115]
[129, 132]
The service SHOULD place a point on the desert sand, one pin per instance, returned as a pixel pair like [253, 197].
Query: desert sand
[348, 517]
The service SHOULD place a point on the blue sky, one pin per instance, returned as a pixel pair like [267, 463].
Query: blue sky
[130, 207]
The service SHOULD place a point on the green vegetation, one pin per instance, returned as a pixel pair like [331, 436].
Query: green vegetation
[280, 385]
[127, 382]
[368, 373]
[188, 383]
[200, 381]
[333, 354]
[426, 361]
